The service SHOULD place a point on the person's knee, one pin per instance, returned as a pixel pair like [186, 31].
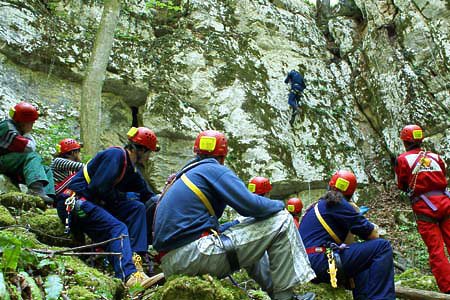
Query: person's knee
[385, 244]
[118, 228]
[383, 247]
[32, 156]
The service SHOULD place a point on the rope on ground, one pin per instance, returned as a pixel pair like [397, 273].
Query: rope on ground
[27, 227]
[71, 250]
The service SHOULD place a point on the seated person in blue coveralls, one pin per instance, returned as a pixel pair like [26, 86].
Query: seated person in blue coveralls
[297, 87]
[186, 224]
[103, 211]
[369, 264]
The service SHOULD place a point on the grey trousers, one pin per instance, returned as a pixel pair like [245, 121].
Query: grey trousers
[288, 261]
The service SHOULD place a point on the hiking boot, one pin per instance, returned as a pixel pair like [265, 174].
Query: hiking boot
[140, 278]
[137, 260]
[37, 189]
[307, 296]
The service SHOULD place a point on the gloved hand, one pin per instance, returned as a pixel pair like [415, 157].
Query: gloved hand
[31, 145]
[133, 196]
[78, 210]
[227, 225]
[363, 209]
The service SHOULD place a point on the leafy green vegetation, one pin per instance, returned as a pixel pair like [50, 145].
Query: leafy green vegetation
[48, 137]
[48, 276]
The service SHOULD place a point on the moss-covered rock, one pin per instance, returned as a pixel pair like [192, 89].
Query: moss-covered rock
[80, 280]
[88, 282]
[81, 293]
[47, 227]
[324, 291]
[21, 201]
[413, 278]
[6, 218]
[199, 287]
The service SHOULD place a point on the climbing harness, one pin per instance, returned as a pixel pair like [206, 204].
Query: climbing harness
[422, 160]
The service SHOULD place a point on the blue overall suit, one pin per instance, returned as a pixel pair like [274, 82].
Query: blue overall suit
[107, 211]
[369, 263]
[297, 87]
[182, 223]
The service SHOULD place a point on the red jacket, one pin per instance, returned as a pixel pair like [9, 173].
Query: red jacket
[430, 177]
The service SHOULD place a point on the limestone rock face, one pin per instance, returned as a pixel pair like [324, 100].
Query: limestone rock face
[377, 66]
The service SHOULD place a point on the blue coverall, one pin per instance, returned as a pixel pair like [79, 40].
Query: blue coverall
[109, 213]
[369, 263]
[297, 87]
[182, 218]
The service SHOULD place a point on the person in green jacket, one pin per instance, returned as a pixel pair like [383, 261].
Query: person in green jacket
[18, 156]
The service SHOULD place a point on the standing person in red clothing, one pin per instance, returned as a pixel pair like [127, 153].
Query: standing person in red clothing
[422, 175]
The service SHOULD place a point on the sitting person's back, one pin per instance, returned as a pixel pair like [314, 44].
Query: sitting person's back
[326, 225]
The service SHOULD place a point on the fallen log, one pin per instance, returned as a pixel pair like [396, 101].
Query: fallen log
[415, 294]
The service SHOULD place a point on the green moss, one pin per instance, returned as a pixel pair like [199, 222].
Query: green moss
[92, 280]
[46, 226]
[200, 288]
[21, 201]
[324, 291]
[81, 293]
[413, 278]
[6, 218]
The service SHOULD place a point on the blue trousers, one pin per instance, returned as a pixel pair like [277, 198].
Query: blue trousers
[369, 263]
[126, 217]
[293, 97]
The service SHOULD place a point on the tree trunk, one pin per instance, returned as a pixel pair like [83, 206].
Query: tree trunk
[91, 94]
[414, 294]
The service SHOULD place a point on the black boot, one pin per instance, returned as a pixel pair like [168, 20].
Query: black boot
[307, 296]
[37, 189]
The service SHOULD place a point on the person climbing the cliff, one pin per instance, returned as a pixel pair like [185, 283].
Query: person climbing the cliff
[101, 207]
[295, 206]
[422, 175]
[366, 267]
[187, 220]
[18, 156]
[297, 87]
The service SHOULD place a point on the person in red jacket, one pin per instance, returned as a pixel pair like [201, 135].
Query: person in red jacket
[422, 175]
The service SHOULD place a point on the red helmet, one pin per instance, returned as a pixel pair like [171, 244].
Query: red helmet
[144, 137]
[411, 133]
[23, 112]
[294, 205]
[67, 145]
[212, 143]
[259, 185]
[344, 181]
